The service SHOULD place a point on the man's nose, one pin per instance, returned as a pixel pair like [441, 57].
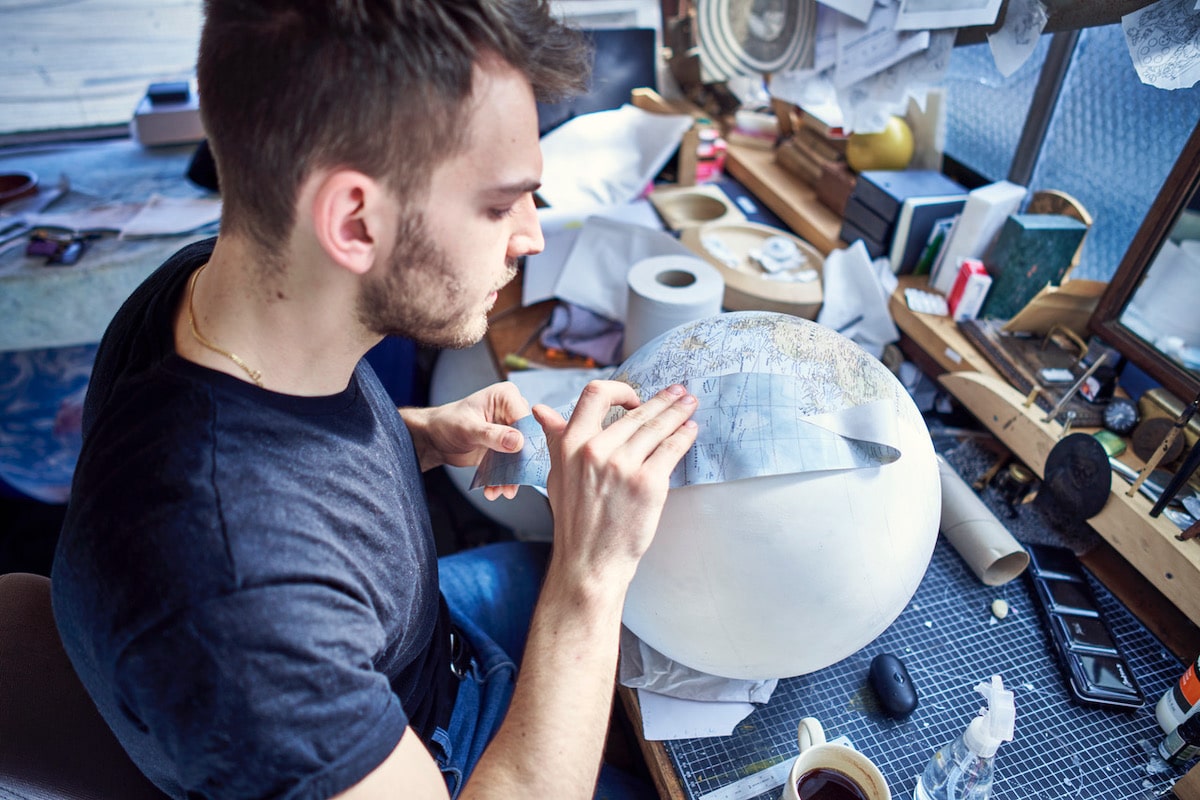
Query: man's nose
[527, 237]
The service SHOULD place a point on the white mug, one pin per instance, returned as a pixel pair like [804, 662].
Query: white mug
[816, 754]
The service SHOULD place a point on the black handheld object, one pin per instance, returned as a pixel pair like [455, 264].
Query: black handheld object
[890, 680]
[1182, 475]
[1096, 671]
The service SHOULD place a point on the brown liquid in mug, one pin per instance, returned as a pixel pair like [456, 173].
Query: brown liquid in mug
[823, 783]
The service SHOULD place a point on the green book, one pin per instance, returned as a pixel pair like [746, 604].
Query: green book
[1032, 251]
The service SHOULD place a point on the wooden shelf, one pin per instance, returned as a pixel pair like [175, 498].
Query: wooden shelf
[792, 201]
[937, 336]
[1148, 543]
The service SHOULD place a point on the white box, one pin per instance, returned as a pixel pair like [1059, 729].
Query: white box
[167, 123]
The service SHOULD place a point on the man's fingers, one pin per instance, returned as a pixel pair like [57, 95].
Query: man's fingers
[504, 439]
[666, 455]
[595, 401]
[508, 404]
[631, 422]
[495, 492]
[657, 419]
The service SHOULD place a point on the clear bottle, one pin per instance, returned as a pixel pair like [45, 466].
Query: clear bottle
[963, 769]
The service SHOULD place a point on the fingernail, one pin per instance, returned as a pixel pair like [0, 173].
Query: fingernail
[675, 390]
[511, 441]
[689, 400]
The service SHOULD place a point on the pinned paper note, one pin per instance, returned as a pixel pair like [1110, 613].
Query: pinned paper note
[941, 14]
[1162, 42]
[1014, 43]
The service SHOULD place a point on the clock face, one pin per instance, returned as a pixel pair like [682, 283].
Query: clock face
[1120, 416]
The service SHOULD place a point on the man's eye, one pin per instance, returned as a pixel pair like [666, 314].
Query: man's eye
[501, 213]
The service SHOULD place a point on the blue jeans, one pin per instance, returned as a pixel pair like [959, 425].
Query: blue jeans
[491, 592]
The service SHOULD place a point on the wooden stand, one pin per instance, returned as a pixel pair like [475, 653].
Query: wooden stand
[1148, 543]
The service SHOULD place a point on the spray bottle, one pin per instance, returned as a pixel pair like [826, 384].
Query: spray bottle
[962, 770]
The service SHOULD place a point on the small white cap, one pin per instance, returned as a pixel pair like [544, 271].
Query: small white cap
[996, 722]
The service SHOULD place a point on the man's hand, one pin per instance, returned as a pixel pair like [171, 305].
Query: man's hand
[607, 486]
[459, 433]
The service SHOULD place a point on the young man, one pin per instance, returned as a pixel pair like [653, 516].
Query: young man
[246, 581]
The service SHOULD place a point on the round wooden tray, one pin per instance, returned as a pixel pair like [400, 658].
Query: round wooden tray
[747, 286]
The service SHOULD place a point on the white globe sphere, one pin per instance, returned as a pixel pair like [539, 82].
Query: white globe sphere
[781, 575]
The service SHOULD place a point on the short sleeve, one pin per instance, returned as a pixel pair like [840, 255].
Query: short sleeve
[265, 692]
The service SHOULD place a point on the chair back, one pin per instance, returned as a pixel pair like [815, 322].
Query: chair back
[53, 742]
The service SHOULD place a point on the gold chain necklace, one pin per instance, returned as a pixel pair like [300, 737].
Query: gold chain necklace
[255, 375]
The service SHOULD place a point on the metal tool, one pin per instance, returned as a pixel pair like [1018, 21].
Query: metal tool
[1066, 398]
[1168, 440]
[1181, 476]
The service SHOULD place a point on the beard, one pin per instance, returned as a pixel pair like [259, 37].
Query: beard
[418, 295]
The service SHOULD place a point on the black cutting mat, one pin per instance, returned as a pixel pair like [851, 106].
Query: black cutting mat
[950, 642]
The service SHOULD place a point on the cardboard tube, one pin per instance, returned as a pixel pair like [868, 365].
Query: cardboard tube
[982, 540]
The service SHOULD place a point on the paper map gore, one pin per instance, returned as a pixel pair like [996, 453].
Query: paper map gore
[772, 401]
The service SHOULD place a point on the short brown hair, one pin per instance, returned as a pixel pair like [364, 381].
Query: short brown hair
[290, 86]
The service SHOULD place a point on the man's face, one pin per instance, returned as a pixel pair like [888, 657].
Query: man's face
[458, 246]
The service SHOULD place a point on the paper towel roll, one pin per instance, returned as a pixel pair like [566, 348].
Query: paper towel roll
[666, 291]
[982, 540]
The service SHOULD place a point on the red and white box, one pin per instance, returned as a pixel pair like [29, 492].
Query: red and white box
[970, 288]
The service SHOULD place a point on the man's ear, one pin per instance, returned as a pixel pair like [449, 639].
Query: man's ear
[348, 218]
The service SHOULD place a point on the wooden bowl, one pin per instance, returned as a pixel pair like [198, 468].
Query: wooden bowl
[683, 207]
[14, 185]
[748, 287]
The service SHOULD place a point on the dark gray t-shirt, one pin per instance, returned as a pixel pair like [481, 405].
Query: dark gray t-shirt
[246, 582]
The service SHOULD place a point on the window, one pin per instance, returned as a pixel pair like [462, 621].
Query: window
[1110, 142]
[86, 64]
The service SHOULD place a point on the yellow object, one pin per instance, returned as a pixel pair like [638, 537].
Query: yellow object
[891, 148]
[514, 361]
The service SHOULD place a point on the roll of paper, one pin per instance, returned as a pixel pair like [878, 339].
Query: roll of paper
[982, 540]
[667, 291]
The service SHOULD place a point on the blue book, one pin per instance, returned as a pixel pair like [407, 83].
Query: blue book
[867, 221]
[917, 217]
[884, 191]
[851, 234]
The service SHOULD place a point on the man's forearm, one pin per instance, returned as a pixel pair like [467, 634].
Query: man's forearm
[552, 739]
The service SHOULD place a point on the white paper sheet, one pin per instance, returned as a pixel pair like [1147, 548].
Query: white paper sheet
[625, 147]
[938, 14]
[1014, 43]
[858, 9]
[812, 91]
[101, 217]
[855, 303]
[596, 268]
[825, 44]
[866, 105]
[671, 718]
[1162, 43]
[864, 49]
[560, 229]
[172, 216]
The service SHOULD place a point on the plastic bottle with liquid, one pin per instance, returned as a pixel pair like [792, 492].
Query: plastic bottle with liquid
[963, 769]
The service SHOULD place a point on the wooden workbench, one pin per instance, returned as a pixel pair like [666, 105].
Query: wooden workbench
[1130, 539]
[1137, 557]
